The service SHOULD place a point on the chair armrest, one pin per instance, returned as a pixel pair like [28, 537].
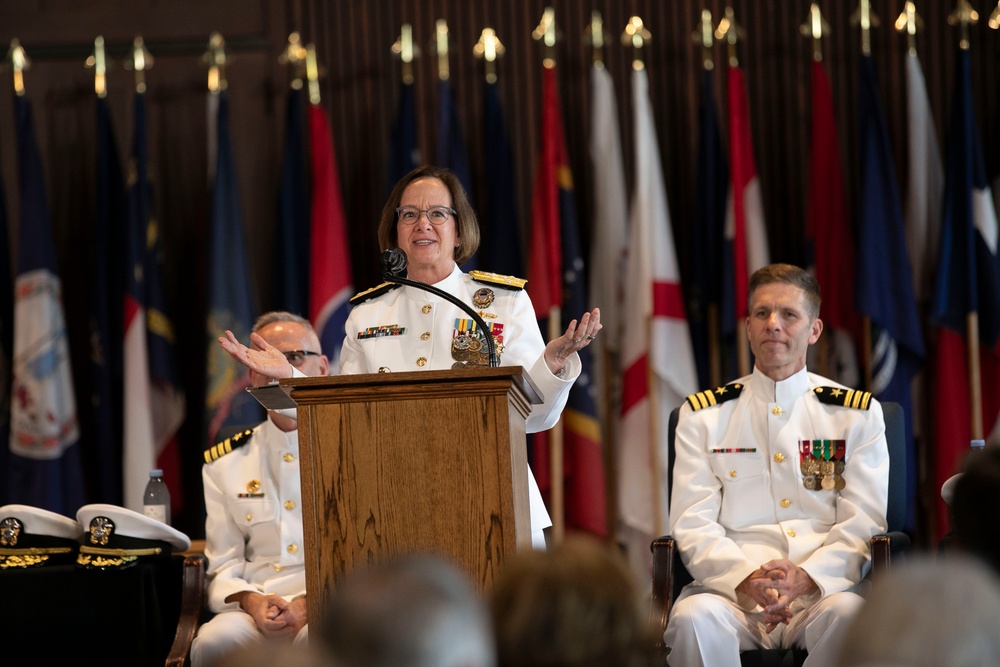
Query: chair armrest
[883, 547]
[192, 600]
[663, 549]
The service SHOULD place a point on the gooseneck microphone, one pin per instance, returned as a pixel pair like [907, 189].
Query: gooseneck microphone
[394, 263]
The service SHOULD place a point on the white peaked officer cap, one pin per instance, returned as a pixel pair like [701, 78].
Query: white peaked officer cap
[116, 537]
[33, 537]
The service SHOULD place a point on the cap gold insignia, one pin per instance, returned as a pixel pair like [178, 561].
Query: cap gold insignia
[253, 486]
[483, 297]
[10, 529]
[101, 529]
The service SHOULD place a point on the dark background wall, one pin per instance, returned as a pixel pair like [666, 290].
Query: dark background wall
[360, 88]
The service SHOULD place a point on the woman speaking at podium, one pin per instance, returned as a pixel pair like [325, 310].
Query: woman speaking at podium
[395, 327]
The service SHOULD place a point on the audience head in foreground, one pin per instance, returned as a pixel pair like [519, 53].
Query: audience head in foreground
[416, 611]
[928, 614]
[572, 606]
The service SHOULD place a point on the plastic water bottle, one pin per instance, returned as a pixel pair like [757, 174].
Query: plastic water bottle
[156, 499]
[976, 448]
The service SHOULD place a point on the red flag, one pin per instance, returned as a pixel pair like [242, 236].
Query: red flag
[746, 231]
[330, 275]
[545, 263]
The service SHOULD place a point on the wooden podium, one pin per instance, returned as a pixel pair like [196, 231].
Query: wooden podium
[428, 461]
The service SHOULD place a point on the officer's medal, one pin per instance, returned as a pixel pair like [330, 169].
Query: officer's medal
[822, 464]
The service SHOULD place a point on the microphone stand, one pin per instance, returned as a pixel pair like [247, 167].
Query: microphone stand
[491, 346]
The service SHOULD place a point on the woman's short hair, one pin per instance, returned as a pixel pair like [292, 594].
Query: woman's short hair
[465, 217]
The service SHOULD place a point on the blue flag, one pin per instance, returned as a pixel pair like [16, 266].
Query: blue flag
[291, 242]
[404, 156]
[6, 345]
[45, 467]
[884, 289]
[451, 151]
[501, 246]
[230, 303]
[704, 290]
[106, 311]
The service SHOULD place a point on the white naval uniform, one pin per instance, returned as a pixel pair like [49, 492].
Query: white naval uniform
[734, 510]
[419, 328]
[253, 531]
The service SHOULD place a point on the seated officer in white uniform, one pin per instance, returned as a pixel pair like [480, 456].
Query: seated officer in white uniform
[253, 527]
[780, 480]
[396, 328]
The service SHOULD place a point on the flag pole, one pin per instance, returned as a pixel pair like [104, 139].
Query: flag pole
[546, 33]
[636, 35]
[964, 16]
[596, 35]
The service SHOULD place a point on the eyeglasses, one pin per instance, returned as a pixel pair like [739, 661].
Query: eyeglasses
[298, 357]
[436, 215]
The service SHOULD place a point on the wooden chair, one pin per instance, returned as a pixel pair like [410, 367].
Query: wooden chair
[192, 603]
[670, 575]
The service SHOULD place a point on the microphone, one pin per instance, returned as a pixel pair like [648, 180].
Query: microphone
[394, 263]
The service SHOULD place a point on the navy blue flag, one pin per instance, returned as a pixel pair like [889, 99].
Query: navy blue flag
[230, 303]
[106, 311]
[404, 156]
[451, 152]
[6, 345]
[291, 242]
[501, 246]
[884, 290]
[705, 289]
[45, 466]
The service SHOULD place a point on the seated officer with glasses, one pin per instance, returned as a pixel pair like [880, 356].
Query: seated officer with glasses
[253, 527]
[394, 328]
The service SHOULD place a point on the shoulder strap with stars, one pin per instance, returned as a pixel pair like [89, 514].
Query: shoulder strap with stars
[376, 291]
[848, 398]
[498, 280]
[216, 451]
[710, 397]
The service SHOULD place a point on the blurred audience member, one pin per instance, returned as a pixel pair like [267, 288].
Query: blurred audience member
[572, 606]
[417, 611]
[928, 614]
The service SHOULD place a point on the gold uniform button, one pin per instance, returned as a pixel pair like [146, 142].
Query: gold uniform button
[732, 473]
[779, 457]
[421, 361]
[249, 517]
[790, 532]
[786, 503]
[426, 309]
[383, 369]
[289, 504]
[776, 411]
[289, 457]
[292, 548]
[425, 335]
[278, 568]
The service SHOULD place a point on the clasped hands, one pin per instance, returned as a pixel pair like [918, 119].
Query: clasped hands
[274, 616]
[774, 586]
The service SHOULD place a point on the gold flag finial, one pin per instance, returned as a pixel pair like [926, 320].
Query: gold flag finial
[140, 61]
[489, 48]
[441, 48]
[216, 59]
[98, 62]
[18, 60]
[864, 16]
[911, 22]
[595, 35]
[406, 51]
[815, 27]
[636, 36]
[732, 32]
[963, 16]
[546, 34]
[703, 36]
[994, 20]
[295, 57]
[312, 74]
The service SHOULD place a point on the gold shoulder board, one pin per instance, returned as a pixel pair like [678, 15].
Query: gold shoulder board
[369, 294]
[710, 397]
[217, 451]
[848, 398]
[506, 282]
